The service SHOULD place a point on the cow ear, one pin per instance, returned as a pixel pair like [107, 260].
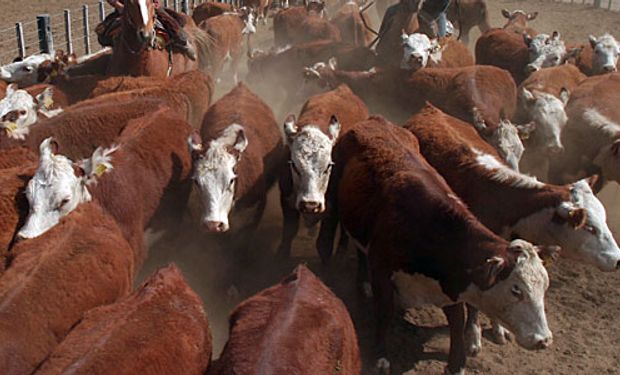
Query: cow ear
[485, 276]
[479, 123]
[404, 37]
[78, 170]
[564, 95]
[555, 35]
[615, 147]
[526, 130]
[506, 13]
[593, 41]
[10, 89]
[290, 128]
[333, 63]
[528, 96]
[592, 180]
[194, 142]
[574, 216]
[532, 16]
[334, 128]
[435, 47]
[548, 254]
[45, 100]
[241, 141]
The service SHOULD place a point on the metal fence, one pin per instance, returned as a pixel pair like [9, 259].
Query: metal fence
[71, 30]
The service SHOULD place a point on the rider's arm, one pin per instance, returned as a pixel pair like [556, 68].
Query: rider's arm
[116, 4]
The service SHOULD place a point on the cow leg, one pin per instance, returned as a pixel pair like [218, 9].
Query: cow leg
[290, 226]
[362, 277]
[343, 242]
[473, 332]
[327, 234]
[499, 334]
[384, 311]
[456, 320]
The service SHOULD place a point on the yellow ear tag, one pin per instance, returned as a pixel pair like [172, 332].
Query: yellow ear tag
[48, 102]
[10, 128]
[100, 169]
[54, 73]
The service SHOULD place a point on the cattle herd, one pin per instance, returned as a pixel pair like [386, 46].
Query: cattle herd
[413, 151]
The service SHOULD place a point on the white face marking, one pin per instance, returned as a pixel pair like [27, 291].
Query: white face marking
[216, 178]
[249, 20]
[505, 139]
[417, 50]
[18, 110]
[518, 301]
[25, 73]
[144, 11]
[502, 173]
[606, 50]
[55, 190]
[549, 115]
[545, 51]
[593, 243]
[311, 164]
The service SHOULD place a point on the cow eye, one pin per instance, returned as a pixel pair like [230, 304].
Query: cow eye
[22, 112]
[232, 182]
[516, 291]
[591, 229]
[293, 166]
[329, 168]
[63, 203]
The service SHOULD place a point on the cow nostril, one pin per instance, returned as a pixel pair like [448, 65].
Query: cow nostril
[610, 69]
[310, 207]
[618, 265]
[544, 343]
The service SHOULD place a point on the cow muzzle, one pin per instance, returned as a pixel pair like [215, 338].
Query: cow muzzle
[610, 69]
[531, 68]
[216, 226]
[311, 207]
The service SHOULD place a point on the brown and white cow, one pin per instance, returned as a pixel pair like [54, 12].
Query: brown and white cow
[148, 169]
[163, 314]
[425, 245]
[226, 34]
[541, 101]
[600, 56]
[484, 96]
[265, 331]
[52, 280]
[592, 130]
[310, 141]
[420, 52]
[517, 22]
[349, 21]
[24, 72]
[19, 110]
[260, 7]
[237, 157]
[467, 14]
[13, 203]
[512, 204]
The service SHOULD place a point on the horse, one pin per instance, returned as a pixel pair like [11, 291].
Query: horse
[139, 51]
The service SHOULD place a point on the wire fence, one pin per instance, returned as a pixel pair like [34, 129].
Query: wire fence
[613, 5]
[71, 30]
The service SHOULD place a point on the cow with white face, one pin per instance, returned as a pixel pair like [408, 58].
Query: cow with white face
[548, 115]
[606, 49]
[215, 174]
[418, 49]
[311, 162]
[59, 186]
[24, 73]
[19, 110]
[545, 51]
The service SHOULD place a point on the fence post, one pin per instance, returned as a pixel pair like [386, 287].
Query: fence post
[21, 44]
[175, 5]
[101, 10]
[166, 4]
[68, 35]
[46, 40]
[86, 29]
[185, 6]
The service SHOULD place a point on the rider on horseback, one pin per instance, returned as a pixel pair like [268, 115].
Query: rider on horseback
[166, 20]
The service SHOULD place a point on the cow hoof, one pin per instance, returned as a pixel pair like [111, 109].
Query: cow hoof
[367, 291]
[383, 366]
[448, 372]
[500, 335]
[473, 340]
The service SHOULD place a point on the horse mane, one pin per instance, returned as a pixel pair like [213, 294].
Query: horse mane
[202, 41]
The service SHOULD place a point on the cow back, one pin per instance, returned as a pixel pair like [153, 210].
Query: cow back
[504, 50]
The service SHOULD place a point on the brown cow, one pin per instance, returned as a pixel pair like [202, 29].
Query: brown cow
[82, 263]
[265, 332]
[418, 52]
[466, 14]
[591, 133]
[147, 171]
[541, 100]
[484, 96]
[237, 158]
[424, 244]
[226, 33]
[512, 204]
[349, 21]
[13, 203]
[164, 315]
[210, 9]
[600, 56]
[518, 22]
[303, 24]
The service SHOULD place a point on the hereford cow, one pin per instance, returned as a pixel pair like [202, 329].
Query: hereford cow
[569, 216]
[19, 110]
[210, 9]
[517, 22]
[265, 331]
[164, 315]
[310, 140]
[237, 158]
[541, 101]
[24, 72]
[400, 19]
[484, 96]
[303, 24]
[226, 33]
[349, 22]
[50, 281]
[420, 52]
[466, 14]
[13, 203]
[600, 56]
[592, 129]
[424, 244]
[148, 170]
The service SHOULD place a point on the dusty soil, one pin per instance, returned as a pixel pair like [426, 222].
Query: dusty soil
[582, 303]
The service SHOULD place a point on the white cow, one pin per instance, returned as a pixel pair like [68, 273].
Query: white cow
[19, 110]
[606, 49]
[545, 51]
[418, 49]
[24, 73]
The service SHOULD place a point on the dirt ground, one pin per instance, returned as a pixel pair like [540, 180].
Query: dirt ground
[582, 304]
